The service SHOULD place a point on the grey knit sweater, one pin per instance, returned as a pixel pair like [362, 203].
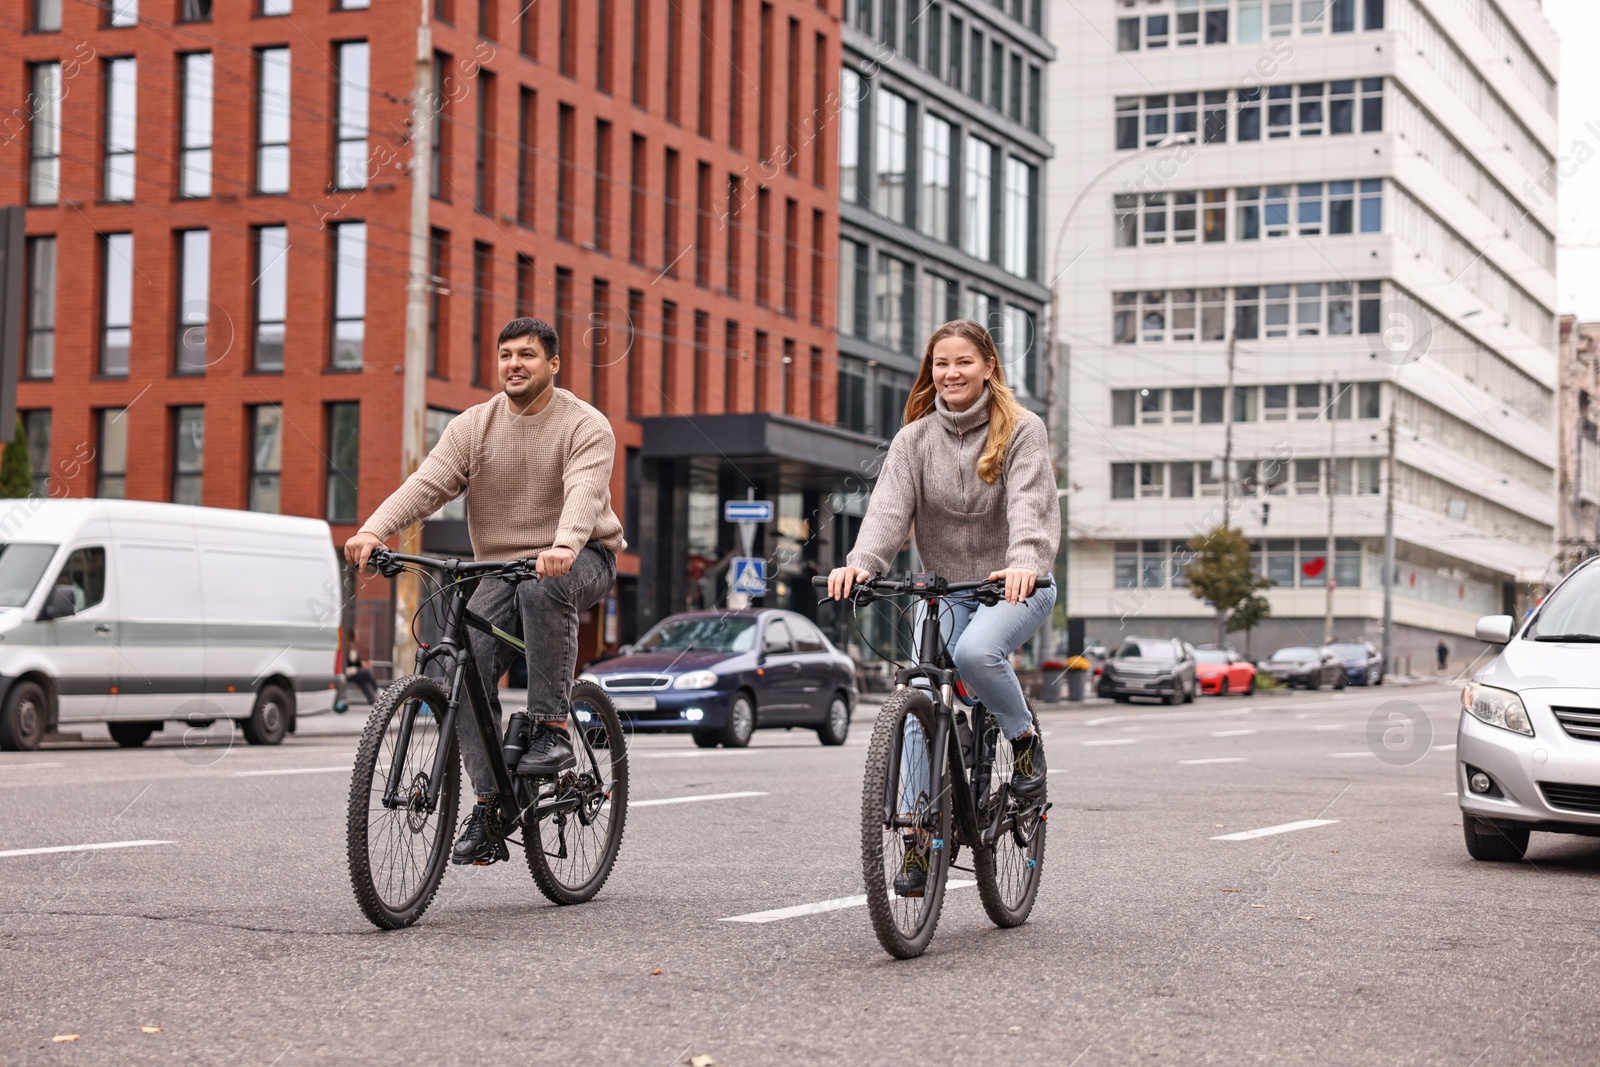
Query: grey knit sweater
[965, 528]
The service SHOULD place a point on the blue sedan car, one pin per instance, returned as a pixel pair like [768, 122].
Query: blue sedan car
[721, 675]
[1363, 664]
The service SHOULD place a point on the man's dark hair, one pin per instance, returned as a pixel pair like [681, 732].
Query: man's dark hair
[538, 329]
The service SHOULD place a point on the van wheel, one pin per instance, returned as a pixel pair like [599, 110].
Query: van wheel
[132, 734]
[22, 723]
[270, 720]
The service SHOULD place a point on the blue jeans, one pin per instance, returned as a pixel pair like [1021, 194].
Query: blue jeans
[981, 639]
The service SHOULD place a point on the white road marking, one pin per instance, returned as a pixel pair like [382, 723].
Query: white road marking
[80, 848]
[1230, 733]
[290, 770]
[1444, 748]
[690, 755]
[838, 904]
[1451, 793]
[1222, 759]
[1112, 741]
[1347, 755]
[1329, 726]
[1268, 831]
[28, 766]
[690, 800]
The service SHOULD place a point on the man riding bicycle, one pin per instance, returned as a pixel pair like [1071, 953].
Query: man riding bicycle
[535, 464]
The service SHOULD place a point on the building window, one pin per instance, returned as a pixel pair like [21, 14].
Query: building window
[277, 7]
[891, 303]
[1302, 309]
[852, 288]
[526, 275]
[272, 120]
[272, 296]
[636, 200]
[188, 453]
[1017, 248]
[889, 156]
[194, 170]
[934, 304]
[121, 124]
[933, 212]
[351, 166]
[350, 294]
[116, 303]
[438, 164]
[850, 94]
[483, 171]
[44, 139]
[438, 418]
[484, 358]
[40, 360]
[111, 458]
[123, 13]
[852, 408]
[670, 209]
[527, 156]
[353, 5]
[46, 16]
[669, 358]
[194, 301]
[266, 457]
[1017, 351]
[566, 176]
[635, 368]
[977, 209]
[194, 11]
[438, 290]
[703, 220]
[344, 461]
[641, 51]
[36, 428]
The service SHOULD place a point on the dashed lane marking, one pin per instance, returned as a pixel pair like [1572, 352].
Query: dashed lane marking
[1230, 733]
[690, 800]
[1220, 759]
[821, 906]
[1111, 741]
[290, 770]
[1268, 831]
[1347, 755]
[79, 848]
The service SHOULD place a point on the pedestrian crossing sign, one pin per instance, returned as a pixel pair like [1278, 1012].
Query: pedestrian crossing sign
[749, 575]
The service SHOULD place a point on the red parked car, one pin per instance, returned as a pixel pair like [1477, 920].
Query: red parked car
[1221, 671]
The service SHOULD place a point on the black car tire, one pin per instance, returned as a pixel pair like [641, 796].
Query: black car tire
[741, 723]
[1121, 698]
[706, 738]
[836, 727]
[1379, 679]
[1493, 844]
[132, 734]
[1250, 690]
[1222, 687]
[23, 720]
[1191, 692]
[269, 720]
[1314, 681]
[1174, 697]
[1344, 680]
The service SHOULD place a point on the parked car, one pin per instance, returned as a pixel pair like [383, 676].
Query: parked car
[133, 613]
[1306, 666]
[1363, 664]
[721, 675]
[1528, 742]
[1223, 671]
[1161, 667]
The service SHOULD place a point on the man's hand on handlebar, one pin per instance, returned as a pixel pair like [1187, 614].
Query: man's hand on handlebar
[1019, 583]
[842, 579]
[554, 562]
[359, 548]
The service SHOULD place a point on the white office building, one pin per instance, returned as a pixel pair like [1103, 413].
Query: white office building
[1355, 197]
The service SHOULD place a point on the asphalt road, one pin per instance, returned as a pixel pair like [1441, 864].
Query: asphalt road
[1370, 938]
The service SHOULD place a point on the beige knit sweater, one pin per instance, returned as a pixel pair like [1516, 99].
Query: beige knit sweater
[532, 481]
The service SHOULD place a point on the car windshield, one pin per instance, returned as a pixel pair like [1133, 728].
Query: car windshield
[1347, 650]
[1210, 655]
[21, 567]
[1161, 650]
[1573, 609]
[1298, 654]
[710, 633]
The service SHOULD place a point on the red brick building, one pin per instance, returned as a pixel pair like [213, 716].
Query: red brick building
[219, 217]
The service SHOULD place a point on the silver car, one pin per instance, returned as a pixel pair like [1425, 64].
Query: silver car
[1528, 745]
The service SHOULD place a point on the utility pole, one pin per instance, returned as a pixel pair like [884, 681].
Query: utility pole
[1329, 582]
[413, 409]
[1227, 440]
[1388, 548]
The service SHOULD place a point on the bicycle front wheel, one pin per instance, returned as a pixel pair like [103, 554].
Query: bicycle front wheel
[397, 851]
[901, 744]
[1008, 871]
[572, 847]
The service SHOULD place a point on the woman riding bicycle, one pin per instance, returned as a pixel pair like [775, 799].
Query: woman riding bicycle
[971, 471]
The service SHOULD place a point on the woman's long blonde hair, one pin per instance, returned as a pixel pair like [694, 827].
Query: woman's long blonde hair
[1004, 411]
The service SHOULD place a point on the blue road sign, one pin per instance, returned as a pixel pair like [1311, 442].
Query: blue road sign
[747, 511]
[749, 575]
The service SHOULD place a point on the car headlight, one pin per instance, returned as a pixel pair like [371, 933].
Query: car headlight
[696, 680]
[592, 679]
[1497, 707]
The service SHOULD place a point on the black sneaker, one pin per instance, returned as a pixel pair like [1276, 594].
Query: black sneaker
[474, 846]
[913, 876]
[549, 753]
[1027, 766]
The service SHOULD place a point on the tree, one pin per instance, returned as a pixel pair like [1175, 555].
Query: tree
[1220, 571]
[16, 473]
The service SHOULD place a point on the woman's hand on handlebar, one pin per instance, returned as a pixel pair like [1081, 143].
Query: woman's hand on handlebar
[1019, 583]
[359, 548]
[842, 579]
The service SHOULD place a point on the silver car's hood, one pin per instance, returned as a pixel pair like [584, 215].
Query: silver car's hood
[1543, 664]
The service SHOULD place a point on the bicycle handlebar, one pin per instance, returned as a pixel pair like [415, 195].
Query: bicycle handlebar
[390, 563]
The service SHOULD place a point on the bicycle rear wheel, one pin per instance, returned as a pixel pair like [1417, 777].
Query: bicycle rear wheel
[904, 925]
[1008, 872]
[571, 850]
[397, 855]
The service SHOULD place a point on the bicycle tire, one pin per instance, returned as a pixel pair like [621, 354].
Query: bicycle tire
[1009, 873]
[575, 883]
[370, 826]
[903, 925]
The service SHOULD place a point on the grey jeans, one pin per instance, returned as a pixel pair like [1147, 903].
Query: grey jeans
[548, 611]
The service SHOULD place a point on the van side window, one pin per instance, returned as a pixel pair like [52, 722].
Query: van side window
[85, 574]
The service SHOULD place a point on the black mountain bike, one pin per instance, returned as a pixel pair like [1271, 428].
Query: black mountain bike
[919, 796]
[407, 779]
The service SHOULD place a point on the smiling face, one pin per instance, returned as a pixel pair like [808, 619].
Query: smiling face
[959, 372]
[525, 372]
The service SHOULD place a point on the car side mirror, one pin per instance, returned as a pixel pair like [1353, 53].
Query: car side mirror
[1494, 629]
[59, 604]
[625, 650]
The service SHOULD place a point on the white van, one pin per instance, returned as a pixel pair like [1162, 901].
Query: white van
[132, 613]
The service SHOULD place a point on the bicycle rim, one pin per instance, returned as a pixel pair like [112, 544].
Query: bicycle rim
[397, 856]
[571, 852]
[1008, 873]
[904, 925]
